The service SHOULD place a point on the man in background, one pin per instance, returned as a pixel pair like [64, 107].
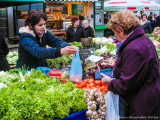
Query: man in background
[158, 21]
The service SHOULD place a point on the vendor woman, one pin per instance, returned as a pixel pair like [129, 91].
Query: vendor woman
[34, 37]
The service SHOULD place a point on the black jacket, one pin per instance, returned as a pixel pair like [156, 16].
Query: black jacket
[89, 31]
[75, 36]
[157, 22]
[147, 27]
[4, 66]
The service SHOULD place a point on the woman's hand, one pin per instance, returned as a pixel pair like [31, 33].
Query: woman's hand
[106, 79]
[68, 50]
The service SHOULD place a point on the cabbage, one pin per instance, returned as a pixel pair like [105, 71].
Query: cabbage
[93, 40]
[12, 57]
[98, 41]
[104, 41]
[110, 40]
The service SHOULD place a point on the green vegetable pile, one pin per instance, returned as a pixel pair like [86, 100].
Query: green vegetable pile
[57, 62]
[11, 76]
[40, 97]
[12, 57]
[107, 45]
[151, 35]
[158, 52]
[78, 44]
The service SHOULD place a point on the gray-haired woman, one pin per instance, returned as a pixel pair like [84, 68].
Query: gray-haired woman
[89, 31]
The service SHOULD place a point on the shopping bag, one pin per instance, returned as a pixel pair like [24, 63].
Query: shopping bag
[76, 71]
[112, 104]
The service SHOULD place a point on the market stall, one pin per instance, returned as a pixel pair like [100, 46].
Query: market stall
[52, 93]
[60, 13]
[8, 3]
[15, 14]
[39, 91]
[136, 5]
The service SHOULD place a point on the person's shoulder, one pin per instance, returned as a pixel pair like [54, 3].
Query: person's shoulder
[70, 27]
[26, 35]
[158, 17]
[138, 44]
[90, 27]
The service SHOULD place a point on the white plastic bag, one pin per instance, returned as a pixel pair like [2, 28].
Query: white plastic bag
[112, 104]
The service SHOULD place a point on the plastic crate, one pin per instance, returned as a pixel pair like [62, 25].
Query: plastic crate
[75, 116]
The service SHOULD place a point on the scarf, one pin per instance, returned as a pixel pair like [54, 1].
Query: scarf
[142, 23]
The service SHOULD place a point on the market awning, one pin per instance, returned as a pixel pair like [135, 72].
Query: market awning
[134, 5]
[73, 0]
[8, 3]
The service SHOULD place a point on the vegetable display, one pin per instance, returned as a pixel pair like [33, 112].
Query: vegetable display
[91, 84]
[151, 35]
[40, 97]
[11, 76]
[90, 67]
[12, 57]
[77, 44]
[57, 62]
[107, 45]
[95, 99]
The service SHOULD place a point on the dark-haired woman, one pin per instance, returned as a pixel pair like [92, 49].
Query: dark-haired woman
[146, 24]
[34, 37]
[4, 66]
[76, 31]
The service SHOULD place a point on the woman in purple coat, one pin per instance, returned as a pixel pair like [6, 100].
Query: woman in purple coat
[136, 71]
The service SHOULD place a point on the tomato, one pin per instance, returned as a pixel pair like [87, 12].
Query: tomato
[64, 82]
[84, 84]
[103, 83]
[98, 86]
[85, 81]
[91, 80]
[101, 89]
[80, 86]
[91, 85]
[87, 86]
[98, 82]
[104, 91]
[76, 85]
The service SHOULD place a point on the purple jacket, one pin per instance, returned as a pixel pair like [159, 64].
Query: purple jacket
[137, 75]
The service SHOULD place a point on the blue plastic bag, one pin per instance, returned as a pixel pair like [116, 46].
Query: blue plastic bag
[44, 69]
[76, 71]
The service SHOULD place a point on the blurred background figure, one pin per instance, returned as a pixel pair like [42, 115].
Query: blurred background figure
[4, 65]
[81, 18]
[89, 31]
[152, 21]
[75, 32]
[150, 16]
[145, 24]
[158, 21]
[107, 32]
